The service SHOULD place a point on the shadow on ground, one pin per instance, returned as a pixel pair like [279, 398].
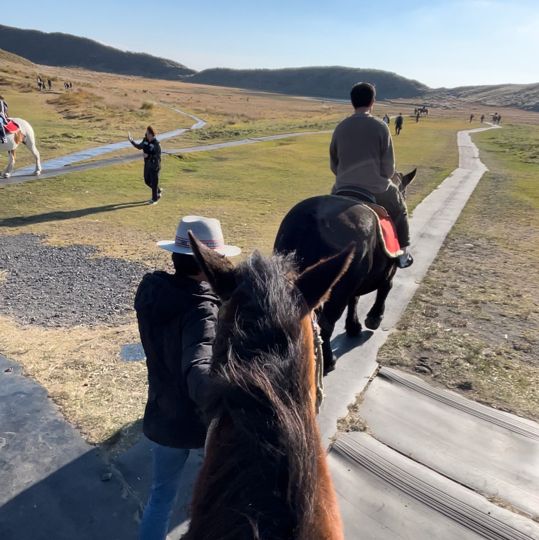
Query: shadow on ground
[64, 215]
[341, 344]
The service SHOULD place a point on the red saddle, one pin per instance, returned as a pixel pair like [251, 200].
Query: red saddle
[387, 229]
[11, 127]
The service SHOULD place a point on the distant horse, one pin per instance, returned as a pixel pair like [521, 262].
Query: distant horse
[24, 135]
[265, 474]
[322, 226]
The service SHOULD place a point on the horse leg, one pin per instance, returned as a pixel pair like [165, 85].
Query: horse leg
[330, 313]
[10, 164]
[352, 325]
[31, 145]
[376, 313]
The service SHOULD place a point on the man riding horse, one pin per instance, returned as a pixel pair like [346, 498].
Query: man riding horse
[363, 161]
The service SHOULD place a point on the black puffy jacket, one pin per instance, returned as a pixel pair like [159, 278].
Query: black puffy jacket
[177, 317]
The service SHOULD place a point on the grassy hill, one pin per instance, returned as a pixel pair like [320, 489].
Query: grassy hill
[521, 96]
[330, 82]
[65, 50]
[6, 56]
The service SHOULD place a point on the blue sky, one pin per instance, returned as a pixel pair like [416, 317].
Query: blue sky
[440, 43]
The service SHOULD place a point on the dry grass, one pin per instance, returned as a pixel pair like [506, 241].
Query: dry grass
[81, 369]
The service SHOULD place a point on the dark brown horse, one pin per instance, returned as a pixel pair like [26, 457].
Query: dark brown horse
[322, 226]
[265, 474]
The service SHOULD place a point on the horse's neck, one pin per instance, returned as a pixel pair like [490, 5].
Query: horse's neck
[239, 486]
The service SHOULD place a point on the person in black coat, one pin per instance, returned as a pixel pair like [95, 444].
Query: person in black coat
[177, 317]
[152, 161]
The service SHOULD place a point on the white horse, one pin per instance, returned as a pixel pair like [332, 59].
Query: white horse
[26, 136]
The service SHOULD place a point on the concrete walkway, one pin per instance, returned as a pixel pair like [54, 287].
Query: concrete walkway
[431, 463]
[89, 153]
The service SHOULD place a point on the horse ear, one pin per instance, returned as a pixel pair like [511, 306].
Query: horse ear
[408, 178]
[316, 282]
[218, 269]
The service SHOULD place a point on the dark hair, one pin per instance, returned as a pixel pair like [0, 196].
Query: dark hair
[151, 130]
[362, 94]
[185, 265]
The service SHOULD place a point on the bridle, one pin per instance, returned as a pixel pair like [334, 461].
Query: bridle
[319, 363]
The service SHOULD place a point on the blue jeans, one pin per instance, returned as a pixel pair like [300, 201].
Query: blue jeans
[168, 464]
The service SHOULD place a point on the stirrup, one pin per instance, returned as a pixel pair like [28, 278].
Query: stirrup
[405, 262]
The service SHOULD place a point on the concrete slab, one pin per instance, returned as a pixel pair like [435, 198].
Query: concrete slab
[492, 452]
[383, 495]
[51, 480]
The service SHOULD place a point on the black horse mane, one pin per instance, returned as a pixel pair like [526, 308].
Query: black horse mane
[263, 485]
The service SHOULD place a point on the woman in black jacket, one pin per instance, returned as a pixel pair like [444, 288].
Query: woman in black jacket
[152, 161]
[177, 318]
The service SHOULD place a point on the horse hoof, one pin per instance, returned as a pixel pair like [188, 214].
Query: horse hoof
[329, 365]
[353, 329]
[6, 175]
[37, 173]
[373, 323]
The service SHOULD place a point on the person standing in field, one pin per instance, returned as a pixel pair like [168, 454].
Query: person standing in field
[152, 161]
[177, 318]
[399, 122]
[362, 159]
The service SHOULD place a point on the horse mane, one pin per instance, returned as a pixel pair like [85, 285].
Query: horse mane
[260, 482]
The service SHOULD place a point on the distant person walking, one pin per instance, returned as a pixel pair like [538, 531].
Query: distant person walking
[152, 161]
[482, 118]
[49, 83]
[386, 119]
[399, 122]
[363, 160]
[3, 120]
[471, 118]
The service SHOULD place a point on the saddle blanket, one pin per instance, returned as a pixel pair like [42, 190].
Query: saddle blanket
[11, 127]
[387, 230]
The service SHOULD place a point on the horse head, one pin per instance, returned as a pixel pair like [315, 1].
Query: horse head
[264, 366]
[266, 313]
[402, 181]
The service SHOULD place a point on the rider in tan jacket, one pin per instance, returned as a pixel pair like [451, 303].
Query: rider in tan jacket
[362, 159]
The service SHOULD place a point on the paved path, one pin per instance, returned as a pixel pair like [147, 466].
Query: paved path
[59, 163]
[51, 480]
[25, 176]
[431, 464]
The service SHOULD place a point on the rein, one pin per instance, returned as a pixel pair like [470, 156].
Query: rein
[319, 364]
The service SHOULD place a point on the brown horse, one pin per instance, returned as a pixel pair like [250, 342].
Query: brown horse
[265, 475]
[320, 227]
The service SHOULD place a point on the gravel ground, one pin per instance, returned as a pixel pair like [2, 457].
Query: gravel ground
[64, 286]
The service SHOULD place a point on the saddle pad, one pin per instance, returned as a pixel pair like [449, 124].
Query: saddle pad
[387, 230]
[11, 127]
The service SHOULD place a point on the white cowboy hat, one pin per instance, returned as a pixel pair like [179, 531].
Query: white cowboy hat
[207, 230]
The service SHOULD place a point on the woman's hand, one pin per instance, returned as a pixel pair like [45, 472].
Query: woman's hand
[129, 138]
